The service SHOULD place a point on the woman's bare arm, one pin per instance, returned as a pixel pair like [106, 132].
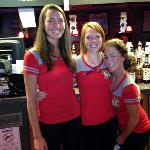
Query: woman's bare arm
[132, 121]
[31, 94]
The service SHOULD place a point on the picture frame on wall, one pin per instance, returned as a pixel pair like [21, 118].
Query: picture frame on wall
[146, 21]
[101, 18]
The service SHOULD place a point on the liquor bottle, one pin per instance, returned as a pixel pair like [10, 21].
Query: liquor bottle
[146, 70]
[130, 48]
[139, 52]
[139, 48]
[139, 71]
[147, 49]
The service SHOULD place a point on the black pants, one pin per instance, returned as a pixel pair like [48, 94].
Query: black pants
[66, 134]
[136, 141]
[100, 137]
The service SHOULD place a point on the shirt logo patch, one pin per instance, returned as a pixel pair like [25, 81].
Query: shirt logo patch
[115, 102]
[106, 74]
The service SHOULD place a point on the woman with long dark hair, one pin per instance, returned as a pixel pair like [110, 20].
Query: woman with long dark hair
[48, 67]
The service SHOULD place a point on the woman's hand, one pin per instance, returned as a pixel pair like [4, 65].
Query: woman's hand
[40, 144]
[120, 140]
[41, 95]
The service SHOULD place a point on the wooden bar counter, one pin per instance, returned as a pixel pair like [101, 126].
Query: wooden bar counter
[14, 124]
[145, 101]
[145, 95]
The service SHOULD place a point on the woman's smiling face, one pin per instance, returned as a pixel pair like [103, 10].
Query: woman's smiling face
[113, 58]
[93, 40]
[54, 24]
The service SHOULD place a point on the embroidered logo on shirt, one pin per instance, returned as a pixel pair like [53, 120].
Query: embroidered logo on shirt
[106, 74]
[115, 102]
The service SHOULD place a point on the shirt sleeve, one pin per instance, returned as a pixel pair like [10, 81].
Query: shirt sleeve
[131, 95]
[31, 65]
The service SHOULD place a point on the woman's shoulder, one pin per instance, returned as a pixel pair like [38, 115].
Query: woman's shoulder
[33, 51]
[79, 63]
[33, 54]
[130, 85]
[78, 58]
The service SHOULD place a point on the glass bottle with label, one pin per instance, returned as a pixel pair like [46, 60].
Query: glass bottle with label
[139, 71]
[146, 70]
[130, 48]
[147, 49]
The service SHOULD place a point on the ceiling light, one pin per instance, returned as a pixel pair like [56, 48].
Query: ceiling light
[66, 5]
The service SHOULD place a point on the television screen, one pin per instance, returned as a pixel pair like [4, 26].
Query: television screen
[13, 48]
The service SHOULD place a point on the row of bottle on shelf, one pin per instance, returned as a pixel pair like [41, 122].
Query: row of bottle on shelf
[142, 54]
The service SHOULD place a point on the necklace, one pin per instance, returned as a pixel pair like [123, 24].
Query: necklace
[94, 63]
[93, 60]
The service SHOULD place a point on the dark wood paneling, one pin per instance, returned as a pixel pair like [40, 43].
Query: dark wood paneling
[10, 26]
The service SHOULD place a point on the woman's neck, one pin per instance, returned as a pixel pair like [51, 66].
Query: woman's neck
[54, 42]
[93, 59]
[56, 53]
[56, 49]
[119, 73]
[117, 78]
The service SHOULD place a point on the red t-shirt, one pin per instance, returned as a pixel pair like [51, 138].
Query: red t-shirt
[95, 95]
[128, 93]
[60, 105]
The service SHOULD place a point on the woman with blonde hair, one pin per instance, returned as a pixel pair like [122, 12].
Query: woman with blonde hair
[99, 126]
